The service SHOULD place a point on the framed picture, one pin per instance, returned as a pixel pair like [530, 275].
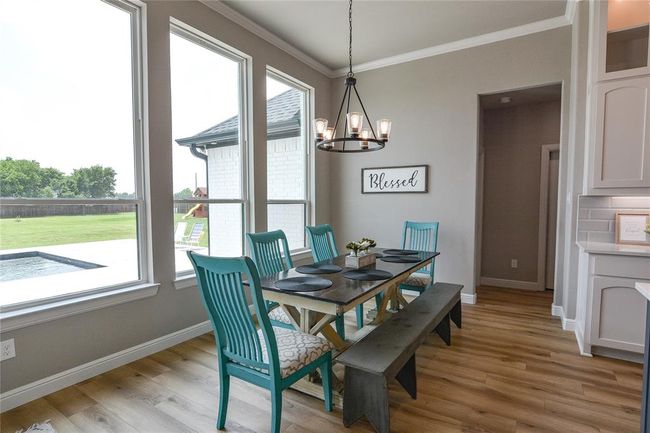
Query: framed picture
[401, 179]
[631, 228]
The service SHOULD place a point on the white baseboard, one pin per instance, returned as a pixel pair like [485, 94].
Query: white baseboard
[468, 298]
[567, 324]
[579, 333]
[509, 284]
[21, 395]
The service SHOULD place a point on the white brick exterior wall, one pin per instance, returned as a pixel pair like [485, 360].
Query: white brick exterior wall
[286, 180]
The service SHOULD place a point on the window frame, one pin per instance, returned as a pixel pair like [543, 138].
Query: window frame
[137, 11]
[308, 111]
[191, 34]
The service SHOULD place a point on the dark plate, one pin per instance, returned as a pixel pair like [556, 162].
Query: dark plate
[400, 259]
[319, 268]
[302, 284]
[367, 275]
[395, 252]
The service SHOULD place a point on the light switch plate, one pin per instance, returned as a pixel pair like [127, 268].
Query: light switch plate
[7, 349]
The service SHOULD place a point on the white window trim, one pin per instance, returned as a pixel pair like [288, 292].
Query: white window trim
[204, 40]
[308, 201]
[43, 310]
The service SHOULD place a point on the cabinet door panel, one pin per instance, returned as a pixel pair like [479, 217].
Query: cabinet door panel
[622, 142]
[618, 314]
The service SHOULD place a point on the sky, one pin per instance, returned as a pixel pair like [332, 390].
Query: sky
[66, 91]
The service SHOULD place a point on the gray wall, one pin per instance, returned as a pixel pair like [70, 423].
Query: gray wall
[49, 348]
[433, 103]
[512, 139]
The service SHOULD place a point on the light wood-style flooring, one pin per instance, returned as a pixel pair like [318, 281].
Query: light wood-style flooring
[510, 369]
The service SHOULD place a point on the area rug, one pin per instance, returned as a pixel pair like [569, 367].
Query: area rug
[44, 427]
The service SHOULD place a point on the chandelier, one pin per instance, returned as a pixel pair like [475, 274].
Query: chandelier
[358, 133]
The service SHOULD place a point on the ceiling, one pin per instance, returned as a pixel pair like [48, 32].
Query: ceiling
[530, 95]
[387, 28]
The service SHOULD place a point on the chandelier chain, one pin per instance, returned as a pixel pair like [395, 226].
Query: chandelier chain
[350, 73]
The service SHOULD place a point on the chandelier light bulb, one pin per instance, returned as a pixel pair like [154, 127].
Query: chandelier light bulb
[320, 125]
[383, 128]
[355, 122]
[365, 135]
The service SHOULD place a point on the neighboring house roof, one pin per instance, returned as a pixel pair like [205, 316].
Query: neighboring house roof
[283, 117]
[201, 191]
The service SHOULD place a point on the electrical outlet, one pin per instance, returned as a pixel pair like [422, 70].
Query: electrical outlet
[514, 264]
[7, 349]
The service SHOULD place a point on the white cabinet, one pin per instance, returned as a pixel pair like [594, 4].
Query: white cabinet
[618, 314]
[616, 311]
[622, 45]
[621, 134]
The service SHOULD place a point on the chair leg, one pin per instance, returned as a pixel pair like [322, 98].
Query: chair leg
[276, 409]
[359, 311]
[326, 374]
[224, 388]
[340, 326]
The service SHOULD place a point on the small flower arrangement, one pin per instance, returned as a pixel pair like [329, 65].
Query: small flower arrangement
[361, 247]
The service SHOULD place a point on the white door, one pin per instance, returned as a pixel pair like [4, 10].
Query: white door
[551, 225]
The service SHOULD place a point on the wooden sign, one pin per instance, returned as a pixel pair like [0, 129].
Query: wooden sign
[404, 179]
[631, 228]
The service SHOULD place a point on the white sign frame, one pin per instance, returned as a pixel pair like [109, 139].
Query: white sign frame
[404, 179]
[630, 228]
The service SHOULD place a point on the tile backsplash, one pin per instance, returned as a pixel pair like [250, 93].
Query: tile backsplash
[597, 215]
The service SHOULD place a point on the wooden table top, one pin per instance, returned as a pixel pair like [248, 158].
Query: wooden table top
[343, 290]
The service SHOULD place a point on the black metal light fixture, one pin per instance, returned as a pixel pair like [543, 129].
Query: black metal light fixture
[356, 137]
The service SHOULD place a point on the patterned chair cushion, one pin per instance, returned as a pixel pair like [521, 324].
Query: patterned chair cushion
[418, 280]
[279, 315]
[295, 349]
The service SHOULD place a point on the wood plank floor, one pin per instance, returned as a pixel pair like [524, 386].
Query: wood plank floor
[510, 369]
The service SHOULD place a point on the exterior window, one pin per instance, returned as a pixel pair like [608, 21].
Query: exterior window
[72, 209]
[287, 158]
[209, 154]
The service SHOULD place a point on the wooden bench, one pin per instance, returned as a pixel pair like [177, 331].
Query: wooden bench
[389, 352]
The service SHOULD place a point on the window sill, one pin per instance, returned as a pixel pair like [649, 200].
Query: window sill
[189, 280]
[34, 315]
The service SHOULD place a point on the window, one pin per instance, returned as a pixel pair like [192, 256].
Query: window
[287, 158]
[209, 153]
[72, 214]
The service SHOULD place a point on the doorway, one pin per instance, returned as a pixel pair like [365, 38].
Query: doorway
[518, 187]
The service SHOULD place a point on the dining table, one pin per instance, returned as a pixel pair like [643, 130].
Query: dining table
[314, 311]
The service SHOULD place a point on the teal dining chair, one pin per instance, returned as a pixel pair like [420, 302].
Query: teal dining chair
[272, 358]
[420, 236]
[323, 247]
[270, 253]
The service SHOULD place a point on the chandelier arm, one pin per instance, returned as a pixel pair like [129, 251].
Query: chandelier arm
[338, 116]
[364, 112]
[347, 110]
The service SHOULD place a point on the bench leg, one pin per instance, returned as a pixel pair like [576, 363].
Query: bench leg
[406, 377]
[456, 315]
[444, 330]
[366, 394]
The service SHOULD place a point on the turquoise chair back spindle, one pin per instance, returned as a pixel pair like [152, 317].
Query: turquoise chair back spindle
[267, 250]
[421, 237]
[239, 349]
[321, 239]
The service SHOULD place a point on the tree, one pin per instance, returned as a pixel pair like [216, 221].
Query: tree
[93, 182]
[183, 194]
[21, 178]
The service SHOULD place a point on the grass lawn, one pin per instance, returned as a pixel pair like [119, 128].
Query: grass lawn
[58, 230]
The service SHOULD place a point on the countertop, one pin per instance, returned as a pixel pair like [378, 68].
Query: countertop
[644, 289]
[608, 248]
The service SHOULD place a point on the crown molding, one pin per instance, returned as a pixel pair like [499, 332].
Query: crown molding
[475, 41]
[234, 16]
[570, 11]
